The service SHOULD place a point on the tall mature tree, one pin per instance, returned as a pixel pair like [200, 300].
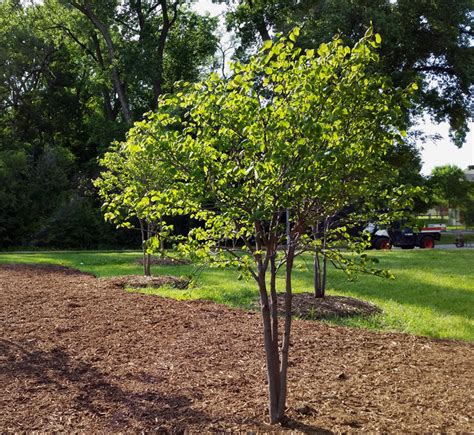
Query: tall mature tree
[427, 41]
[449, 187]
[128, 43]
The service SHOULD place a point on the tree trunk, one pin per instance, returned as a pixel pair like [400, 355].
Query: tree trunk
[270, 350]
[108, 109]
[142, 232]
[148, 265]
[162, 240]
[260, 25]
[148, 256]
[323, 283]
[320, 272]
[318, 288]
[274, 321]
[165, 29]
[286, 334]
[102, 28]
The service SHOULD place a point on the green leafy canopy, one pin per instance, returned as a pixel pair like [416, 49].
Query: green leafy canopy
[288, 131]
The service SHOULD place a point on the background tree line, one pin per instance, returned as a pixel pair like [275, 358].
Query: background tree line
[75, 75]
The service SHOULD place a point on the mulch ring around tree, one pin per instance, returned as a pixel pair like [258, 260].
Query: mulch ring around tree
[141, 281]
[80, 354]
[306, 306]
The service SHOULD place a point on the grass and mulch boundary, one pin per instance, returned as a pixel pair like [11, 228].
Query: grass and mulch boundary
[432, 294]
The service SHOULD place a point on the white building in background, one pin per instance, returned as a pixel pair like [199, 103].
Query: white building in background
[469, 173]
[454, 214]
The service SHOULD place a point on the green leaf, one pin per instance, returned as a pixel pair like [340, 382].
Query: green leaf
[323, 50]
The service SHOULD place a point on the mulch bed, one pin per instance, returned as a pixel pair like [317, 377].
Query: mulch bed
[306, 306]
[81, 354]
[141, 281]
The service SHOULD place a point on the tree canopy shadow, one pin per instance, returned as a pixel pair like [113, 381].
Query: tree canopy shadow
[297, 425]
[83, 387]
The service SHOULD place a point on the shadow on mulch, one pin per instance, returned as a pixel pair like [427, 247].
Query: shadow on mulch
[296, 425]
[93, 391]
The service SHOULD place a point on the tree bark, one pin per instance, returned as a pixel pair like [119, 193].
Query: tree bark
[274, 319]
[270, 349]
[320, 271]
[286, 334]
[162, 240]
[317, 276]
[142, 232]
[260, 24]
[108, 109]
[148, 256]
[102, 28]
[167, 24]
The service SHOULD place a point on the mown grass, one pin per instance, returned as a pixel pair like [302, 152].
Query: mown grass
[432, 295]
[450, 238]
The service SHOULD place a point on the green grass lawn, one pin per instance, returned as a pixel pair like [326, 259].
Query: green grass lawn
[432, 295]
[450, 238]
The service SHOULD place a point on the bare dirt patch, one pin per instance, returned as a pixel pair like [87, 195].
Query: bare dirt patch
[81, 354]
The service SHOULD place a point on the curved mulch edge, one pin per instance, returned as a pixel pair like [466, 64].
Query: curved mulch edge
[130, 281]
[48, 268]
[140, 281]
[306, 306]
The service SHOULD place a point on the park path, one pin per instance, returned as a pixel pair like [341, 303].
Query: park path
[81, 354]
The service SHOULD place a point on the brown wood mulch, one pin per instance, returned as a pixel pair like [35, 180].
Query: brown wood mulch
[81, 354]
[141, 281]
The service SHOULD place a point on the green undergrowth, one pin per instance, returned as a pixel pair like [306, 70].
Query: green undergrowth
[432, 295]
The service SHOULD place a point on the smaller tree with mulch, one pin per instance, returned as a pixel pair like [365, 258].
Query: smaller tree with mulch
[132, 186]
[262, 156]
